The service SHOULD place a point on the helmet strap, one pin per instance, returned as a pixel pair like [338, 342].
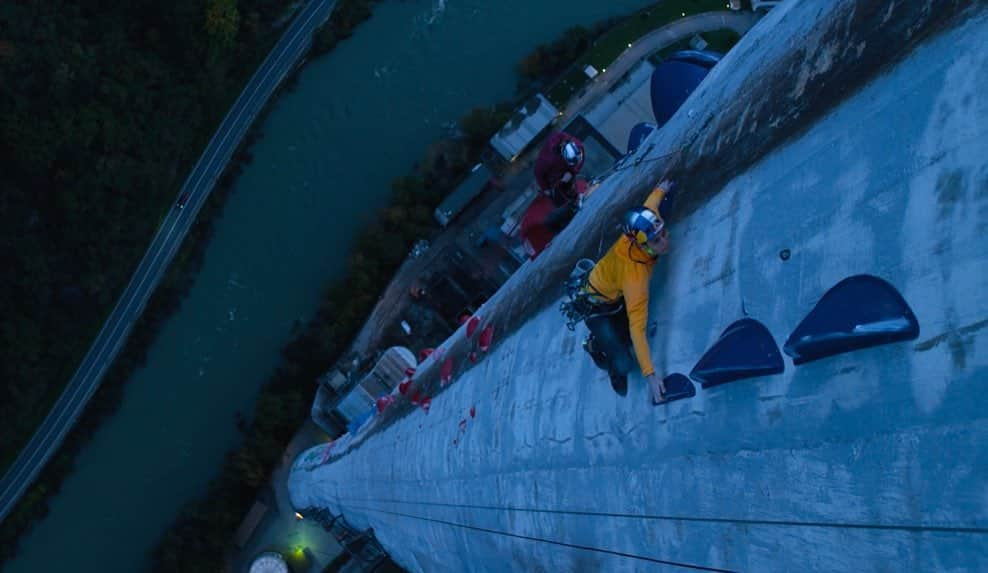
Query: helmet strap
[648, 250]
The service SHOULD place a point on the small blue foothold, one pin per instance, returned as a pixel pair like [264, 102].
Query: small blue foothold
[678, 386]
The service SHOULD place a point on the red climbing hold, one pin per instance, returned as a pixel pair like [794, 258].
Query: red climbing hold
[426, 403]
[409, 372]
[473, 411]
[446, 372]
[472, 326]
[383, 402]
[403, 387]
[415, 398]
[472, 357]
[463, 425]
[425, 353]
[486, 338]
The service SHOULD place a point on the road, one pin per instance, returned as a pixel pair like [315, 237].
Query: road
[66, 410]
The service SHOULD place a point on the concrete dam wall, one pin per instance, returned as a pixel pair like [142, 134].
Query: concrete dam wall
[872, 460]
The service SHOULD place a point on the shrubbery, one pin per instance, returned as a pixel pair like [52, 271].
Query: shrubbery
[347, 14]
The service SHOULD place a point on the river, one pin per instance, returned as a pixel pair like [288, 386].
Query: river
[359, 117]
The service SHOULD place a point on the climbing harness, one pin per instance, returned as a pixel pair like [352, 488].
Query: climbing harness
[583, 300]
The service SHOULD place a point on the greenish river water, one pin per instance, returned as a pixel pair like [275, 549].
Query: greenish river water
[359, 117]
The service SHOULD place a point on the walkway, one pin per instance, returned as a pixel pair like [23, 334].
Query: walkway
[280, 530]
[652, 42]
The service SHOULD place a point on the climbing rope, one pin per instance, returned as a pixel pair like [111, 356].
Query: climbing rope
[549, 541]
[900, 527]
[627, 162]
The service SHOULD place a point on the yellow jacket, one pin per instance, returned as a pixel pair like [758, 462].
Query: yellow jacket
[624, 272]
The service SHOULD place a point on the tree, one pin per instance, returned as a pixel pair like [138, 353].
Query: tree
[222, 22]
[480, 123]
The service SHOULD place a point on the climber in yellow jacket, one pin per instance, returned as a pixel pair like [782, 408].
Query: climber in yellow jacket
[622, 276]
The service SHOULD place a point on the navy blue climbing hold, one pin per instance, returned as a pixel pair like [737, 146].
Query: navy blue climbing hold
[859, 312]
[745, 349]
[675, 78]
[638, 134]
[678, 386]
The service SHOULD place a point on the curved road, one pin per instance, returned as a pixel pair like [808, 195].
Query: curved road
[652, 42]
[46, 440]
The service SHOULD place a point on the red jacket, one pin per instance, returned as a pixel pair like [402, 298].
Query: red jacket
[550, 165]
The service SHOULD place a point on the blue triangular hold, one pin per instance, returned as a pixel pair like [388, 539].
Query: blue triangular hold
[745, 349]
[638, 134]
[678, 386]
[858, 312]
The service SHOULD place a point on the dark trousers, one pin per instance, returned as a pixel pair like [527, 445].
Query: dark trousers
[612, 337]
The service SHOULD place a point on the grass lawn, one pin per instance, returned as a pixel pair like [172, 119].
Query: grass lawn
[721, 40]
[717, 41]
[616, 41]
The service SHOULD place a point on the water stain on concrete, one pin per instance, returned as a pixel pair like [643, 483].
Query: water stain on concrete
[983, 185]
[957, 340]
[950, 190]
[958, 352]
[726, 271]
[944, 113]
[774, 414]
[701, 266]
[569, 345]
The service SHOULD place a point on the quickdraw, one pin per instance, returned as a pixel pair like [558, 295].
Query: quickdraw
[580, 304]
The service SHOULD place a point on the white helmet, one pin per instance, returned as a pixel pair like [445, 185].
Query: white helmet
[572, 154]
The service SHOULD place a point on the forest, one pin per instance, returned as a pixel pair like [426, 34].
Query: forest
[104, 109]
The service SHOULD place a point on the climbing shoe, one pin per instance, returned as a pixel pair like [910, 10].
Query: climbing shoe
[620, 383]
[598, 356]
